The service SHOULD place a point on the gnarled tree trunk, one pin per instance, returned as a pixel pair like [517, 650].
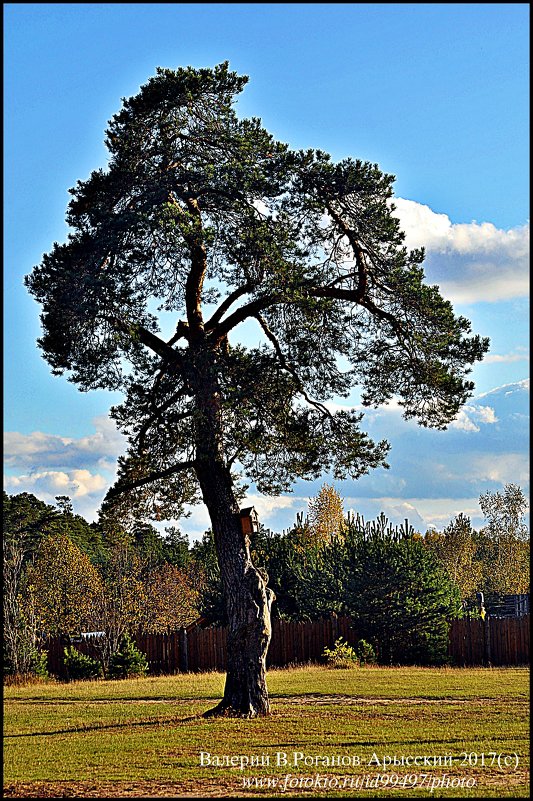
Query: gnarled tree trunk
[248, 600]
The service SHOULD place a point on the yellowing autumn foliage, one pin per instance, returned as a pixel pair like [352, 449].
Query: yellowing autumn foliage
[172, 599]
[64, 587]
[456, 549]
[325, 517]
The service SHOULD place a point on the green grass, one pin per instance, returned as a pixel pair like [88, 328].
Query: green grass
[142, 737]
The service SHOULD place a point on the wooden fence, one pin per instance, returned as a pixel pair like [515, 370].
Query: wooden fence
[507, 605]
[494, 641]
[497, 641]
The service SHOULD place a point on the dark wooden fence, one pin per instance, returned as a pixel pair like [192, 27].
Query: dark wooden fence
[495, 641]
[507, 605]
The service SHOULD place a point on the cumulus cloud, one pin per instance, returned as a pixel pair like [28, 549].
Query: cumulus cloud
[85, 488]
[471, 262]
[465, 420]
[39, 450]
[76, 483]
[47, 465]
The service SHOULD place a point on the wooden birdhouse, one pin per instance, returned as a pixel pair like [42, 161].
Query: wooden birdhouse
[249, 520]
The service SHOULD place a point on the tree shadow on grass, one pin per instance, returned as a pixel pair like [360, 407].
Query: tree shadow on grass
[138, 699]
[381, 744]
[107, 727]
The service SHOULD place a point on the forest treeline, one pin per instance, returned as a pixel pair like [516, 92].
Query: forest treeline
[63, 575]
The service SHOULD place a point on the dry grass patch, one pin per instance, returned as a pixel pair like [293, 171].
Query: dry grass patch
[144, 737]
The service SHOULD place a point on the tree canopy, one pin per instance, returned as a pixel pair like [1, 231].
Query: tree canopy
[206, 216]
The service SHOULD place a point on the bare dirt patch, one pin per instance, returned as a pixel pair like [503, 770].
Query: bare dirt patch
[223, 788]
[141, 789]
[350, 700]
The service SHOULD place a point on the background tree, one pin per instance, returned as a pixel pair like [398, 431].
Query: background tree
[64, 586]
[19, 625]
[503, 544]
[172, 599]
[207, 217]
[211, 602]
[26, 520]
[326, 515]
[122, 600]
[87, 536]
[400, 597]
[23, 522]
[456, 549]
[149, 545]
[505, 512]
[176, 547]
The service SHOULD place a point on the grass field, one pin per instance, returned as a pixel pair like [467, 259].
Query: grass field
[143, 738]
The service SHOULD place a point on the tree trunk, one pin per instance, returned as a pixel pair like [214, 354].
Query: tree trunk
[248, 600]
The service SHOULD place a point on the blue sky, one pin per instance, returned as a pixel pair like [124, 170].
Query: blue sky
[436, 94]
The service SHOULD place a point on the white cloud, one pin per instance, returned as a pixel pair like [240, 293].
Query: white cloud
[504, 468]
[49, 464]
[85, 488]
[267, 507]
[505, 358]
[471, 262]
[57, 482]
[38, 450]
[508, 389]
[24, 449]
[468, 414]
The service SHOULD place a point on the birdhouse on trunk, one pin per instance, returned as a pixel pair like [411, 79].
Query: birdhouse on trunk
[249, 520]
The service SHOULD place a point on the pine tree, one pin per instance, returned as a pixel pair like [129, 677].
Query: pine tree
[207, 217]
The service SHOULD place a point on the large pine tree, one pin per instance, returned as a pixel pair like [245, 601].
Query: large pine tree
[205, 216]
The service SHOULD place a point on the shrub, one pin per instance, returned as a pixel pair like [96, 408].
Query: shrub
[39, 664]
[35, 668]
[341, 655]
[127, 661]
[365, 653]
[80, 666]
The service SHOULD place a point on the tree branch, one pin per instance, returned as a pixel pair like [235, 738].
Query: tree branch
[240, 315]
[119, 489]
[358, 252]
[290, 369]
[352, 295]
[146, 337]
[225, 305]
[182, 330]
